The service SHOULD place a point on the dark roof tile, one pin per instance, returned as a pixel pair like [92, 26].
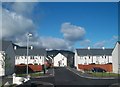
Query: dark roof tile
[34, 52]
[93, 52]
[53, 53]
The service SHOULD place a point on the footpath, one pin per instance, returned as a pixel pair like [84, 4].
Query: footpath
[41, 81]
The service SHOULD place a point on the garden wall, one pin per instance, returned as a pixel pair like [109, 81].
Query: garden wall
[31, 68]
[107, 67]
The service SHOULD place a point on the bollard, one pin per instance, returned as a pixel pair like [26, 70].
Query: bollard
[28, 77]
[14, 75]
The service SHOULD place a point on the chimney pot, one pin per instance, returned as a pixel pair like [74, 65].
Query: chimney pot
[88, 48]
[31, 47]
[15, 47]
[103, 48]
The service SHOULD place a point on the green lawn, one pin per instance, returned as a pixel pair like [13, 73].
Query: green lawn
[31, 74]
[104, 74]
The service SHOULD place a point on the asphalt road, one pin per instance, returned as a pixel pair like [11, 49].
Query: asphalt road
[65, 77]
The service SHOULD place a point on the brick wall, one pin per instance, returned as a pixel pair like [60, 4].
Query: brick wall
[35, 67]
[31, 68]
[107, 67]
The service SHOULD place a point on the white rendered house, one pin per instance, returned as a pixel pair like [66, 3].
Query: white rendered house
[60, 60]
[2, 63]
[7, 61]
[116, 58]
[36, 56]
[93, 56]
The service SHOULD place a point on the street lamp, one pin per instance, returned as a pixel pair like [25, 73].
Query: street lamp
[28, 36]
[44, 65]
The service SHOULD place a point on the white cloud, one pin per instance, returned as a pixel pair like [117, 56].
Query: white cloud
[46, 42]
[109, 42]
[23, 8]
[72, 32]
[114, 37]
[100, 44]
[14, 25]
[85, 43]
[54, 43]
[34, 40]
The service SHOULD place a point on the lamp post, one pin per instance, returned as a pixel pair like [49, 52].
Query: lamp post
[44, 65]
[28, 36]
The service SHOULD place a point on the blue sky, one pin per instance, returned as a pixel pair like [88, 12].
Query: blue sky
[96, 23]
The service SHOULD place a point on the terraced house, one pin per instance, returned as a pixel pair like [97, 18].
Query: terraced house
[116, 58]
[35, 59]
[94, 57]
[36, 56]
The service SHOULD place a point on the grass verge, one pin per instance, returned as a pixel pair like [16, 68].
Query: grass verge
[36, 74]
[103, 74]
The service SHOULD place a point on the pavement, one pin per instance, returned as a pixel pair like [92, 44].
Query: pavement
[6, 80]
[46, 80]
[59, 77]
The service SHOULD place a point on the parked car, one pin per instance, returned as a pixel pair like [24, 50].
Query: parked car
[97, 69]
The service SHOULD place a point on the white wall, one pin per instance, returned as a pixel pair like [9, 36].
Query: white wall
[76, 59]
[60, 57]
[116, 58]
[2, 68]
[85, 60]
[35, 60]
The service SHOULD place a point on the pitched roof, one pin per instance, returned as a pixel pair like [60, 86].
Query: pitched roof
[84, 52]
[119, 42]
[21, 51]
[53, 53]
[67, 54]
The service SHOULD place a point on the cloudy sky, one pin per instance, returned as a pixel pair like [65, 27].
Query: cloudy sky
[61, 25]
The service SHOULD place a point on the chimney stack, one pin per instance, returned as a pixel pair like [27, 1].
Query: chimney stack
[103, 48]
[88, 48]
[31, 47]
[15, 47]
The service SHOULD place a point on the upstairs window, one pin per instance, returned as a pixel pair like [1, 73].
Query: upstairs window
[89, 57]
[105, 57]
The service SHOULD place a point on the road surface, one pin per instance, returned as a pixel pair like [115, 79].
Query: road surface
[65, 77]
